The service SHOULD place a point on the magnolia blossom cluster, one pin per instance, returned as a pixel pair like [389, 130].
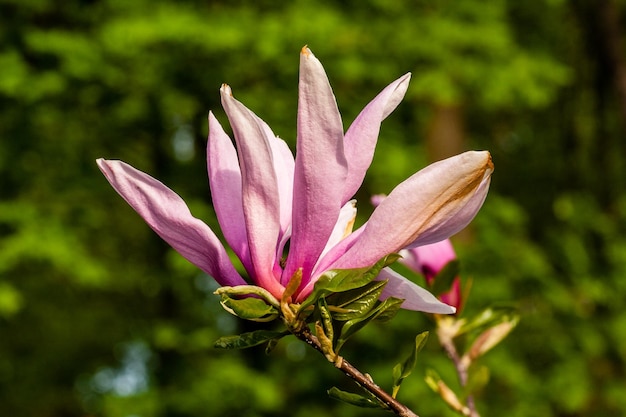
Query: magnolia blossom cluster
[267, 200]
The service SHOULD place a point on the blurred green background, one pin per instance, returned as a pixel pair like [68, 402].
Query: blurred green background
[98, 317]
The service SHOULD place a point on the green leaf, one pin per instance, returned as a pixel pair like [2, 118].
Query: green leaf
[488, 318]
[246, 340]
[356, 324]
[357, 302]
[249, 308]
[444, 279]
[403, 370]
[354, 399]
[391, 309]
[478, 377]
[340, 280]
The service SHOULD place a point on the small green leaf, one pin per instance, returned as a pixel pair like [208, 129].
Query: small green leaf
[354, 399]
[249, 308]
[488, 318]
[246, 340]
[392, 307]
[444, 279]
[357, 302]
[340, 280]
[356, 324]
[403, 370]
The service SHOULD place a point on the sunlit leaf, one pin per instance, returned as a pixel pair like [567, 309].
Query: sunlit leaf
[352, 326]
[488, 318]
[404, 369]
[340, 280]
[357, 302]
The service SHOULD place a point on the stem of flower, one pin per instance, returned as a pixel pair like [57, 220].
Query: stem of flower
[461, 370]
[363, 380]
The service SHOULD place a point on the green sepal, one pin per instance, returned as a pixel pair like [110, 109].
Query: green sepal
[240, 291]
[340, 280]
[249, 308]
[357, 302]
[355, 399]
[444, 279]
[246, 340]
[391, 304]
[404, 369]
[326, 318]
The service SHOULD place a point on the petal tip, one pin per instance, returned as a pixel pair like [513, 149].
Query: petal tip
[226, 90]
[305, 51]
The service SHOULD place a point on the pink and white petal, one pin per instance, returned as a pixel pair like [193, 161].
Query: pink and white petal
[325, 263]
[320, 170]
[430, 206]
[284, 166]
[261, 204]
[343, 227]
[226, 192]
[168, 215]
[360, 139]
[415, 297]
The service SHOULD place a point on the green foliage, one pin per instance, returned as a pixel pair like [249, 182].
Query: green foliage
[404, 369]
[354, 399]
[246, 340]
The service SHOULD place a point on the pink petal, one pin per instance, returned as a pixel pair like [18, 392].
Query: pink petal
[415, 297]
[361, 137]
[226, 193]
[168, 215]
[320, 171]
[284, 166]
[430, 259]
[430, 206]
[343, 227]
[261, 204]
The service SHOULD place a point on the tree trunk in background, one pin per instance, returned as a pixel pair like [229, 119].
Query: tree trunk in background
[600, 23]
[609, 24]
[445, 138]
[446, 132]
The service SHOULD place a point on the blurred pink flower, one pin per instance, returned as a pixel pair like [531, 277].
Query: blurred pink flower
[264, 198]
[429, 260]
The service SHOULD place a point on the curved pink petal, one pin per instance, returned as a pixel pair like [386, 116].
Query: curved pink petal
[261, 204]
[168, 215]
[360, 140]
[430, 206]
[226, 193]
[415, 297]
[320, 171]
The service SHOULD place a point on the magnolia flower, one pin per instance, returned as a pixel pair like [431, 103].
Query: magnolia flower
[429, 260]
[267, 201]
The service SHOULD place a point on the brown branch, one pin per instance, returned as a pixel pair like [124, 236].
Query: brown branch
[360, 378]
